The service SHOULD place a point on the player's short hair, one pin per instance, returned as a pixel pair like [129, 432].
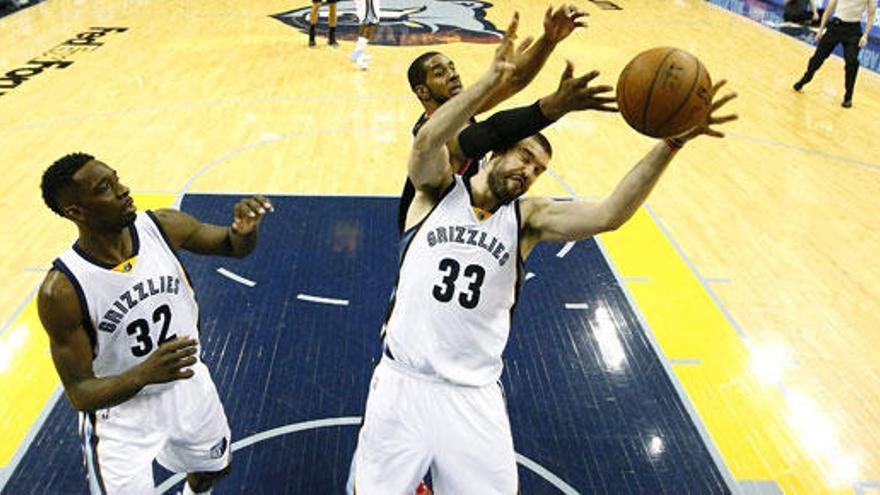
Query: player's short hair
[538, 136]
[59, 176]
[417, 74]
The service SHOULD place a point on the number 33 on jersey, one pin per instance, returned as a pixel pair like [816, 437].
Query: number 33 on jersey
[458, 282]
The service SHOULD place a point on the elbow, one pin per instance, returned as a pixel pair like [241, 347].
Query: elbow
[79, 401]
[612, 223]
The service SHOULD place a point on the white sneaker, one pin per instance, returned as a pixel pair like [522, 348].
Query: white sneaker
[366, 56]
[355, 55]
[362, 63]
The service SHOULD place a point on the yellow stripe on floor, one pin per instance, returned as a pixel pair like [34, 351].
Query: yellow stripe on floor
[744, 413]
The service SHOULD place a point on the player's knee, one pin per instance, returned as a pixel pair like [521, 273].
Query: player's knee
[201, 482]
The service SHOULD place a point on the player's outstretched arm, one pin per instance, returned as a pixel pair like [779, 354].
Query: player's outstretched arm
[529, 57]
[429, 168]
[547, 220]
[71, 349]
[237, 239]
[508, 127]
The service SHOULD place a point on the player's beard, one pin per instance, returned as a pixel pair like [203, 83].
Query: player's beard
[498, 186]
[439, 100]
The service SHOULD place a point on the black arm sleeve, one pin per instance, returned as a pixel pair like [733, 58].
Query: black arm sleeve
[501, 130]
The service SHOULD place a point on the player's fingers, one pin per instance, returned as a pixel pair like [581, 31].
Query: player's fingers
[251, 208]
[718, 86]
[511, 28]
[256, 206]
[723, 120]
[179, 343]
[524, 45]
[567, 71]
[265, 202]
[606, 109]
[577, 14]
[589, 76]
[186, 351]
[186, 361]
[714, 133]
[604, 99]
[240, 211]
[184, 374]
[549, 13]
[599, 89]
[721, 101]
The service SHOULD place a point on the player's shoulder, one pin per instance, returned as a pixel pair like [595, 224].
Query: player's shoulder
[532, 204]
[57, 298]
[56, 285]
[176, 225]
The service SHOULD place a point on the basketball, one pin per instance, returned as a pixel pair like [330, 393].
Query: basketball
[664, 92]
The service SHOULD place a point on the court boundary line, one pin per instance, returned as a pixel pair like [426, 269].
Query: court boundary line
[178, 199]
[7, 471]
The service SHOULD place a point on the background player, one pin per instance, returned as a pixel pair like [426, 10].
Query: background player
[434, 80]
[331, 22]
[369, 14]
[122, 321]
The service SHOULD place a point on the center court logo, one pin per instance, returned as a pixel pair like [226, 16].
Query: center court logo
[409, 22]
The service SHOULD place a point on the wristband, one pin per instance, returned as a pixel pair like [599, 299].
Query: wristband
[674, 144]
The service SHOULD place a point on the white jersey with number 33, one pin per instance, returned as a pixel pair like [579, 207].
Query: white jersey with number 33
[130, 309]
[458, 281]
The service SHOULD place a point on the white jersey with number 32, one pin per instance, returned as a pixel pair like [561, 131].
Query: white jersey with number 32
[130, 309]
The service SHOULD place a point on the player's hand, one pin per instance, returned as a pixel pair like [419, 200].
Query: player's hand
[167, 363]
[712, 118]
[863, 41]
[502, 63]
[560, 23]
[575, 93]
[819, 35]
[248, 212]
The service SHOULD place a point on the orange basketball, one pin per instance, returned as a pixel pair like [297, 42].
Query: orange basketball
[664, 92]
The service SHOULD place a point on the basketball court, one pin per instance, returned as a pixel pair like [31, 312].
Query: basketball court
[723, 341]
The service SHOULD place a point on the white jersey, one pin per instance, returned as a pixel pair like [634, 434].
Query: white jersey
[130, 309]
[852, 10]
[458, 282]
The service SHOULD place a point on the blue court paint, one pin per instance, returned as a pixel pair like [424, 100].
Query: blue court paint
[588, 398]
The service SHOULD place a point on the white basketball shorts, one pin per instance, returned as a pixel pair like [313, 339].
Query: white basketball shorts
[413, 423]
[183, 427]
[368, 11]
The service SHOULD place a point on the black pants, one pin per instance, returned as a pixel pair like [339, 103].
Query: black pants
[847, 33]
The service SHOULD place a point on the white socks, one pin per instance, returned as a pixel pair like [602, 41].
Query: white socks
[359, 48]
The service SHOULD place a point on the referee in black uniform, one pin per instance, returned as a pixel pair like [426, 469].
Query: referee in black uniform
[846, 28]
